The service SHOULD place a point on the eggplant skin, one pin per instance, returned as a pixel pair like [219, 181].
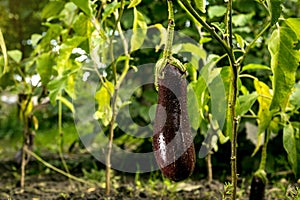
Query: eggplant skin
[257, 191]
[172, 140]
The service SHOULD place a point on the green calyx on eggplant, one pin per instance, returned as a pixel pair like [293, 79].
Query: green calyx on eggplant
[172, 140]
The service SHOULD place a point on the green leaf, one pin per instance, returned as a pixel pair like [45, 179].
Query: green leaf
[254, 66]
[245, 103]
[81, 24]
[53, 32]
[84, 5]
[55, 86]
[4, 52]
[284, 63]
[197, 52]
[16, 55]
[35, 38]
[264, 99]
[134, 3]
[242, 19]
[139, 30]
[109, 9]
[52, 9]
[44, 64]
[291, 145]
[274, 8]
[103, 97]
[240, 41]
[201, 5]
[294, 24]
[193, 108]
[216, 11]
[66, 51]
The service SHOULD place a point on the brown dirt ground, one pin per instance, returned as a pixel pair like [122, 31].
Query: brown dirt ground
[42, 183]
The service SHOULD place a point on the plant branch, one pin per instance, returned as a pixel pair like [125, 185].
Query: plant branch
[118, 82]
[191, 11]
[170, 32]
[249, 47]
[229, 23]
[55, 168]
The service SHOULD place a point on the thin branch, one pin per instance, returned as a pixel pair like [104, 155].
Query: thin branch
[191, 11]
[55, 168]
[249, 47]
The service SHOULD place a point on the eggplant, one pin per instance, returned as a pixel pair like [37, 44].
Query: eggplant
[257, 191]
[173, 140]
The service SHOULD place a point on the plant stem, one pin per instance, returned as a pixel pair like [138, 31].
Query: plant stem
[118, 82]
[233, 91]
[61, 135]
[209, 167]
[170, 32]
[229, 24]
[55, 168]
[263, 159]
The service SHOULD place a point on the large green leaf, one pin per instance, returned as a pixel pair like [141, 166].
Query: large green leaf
[84, 5]
[284, 63]
[139, 30]
[294, 23]
[291, 143]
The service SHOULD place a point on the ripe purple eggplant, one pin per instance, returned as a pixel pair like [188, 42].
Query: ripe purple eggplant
[257, 191]
[172, 140]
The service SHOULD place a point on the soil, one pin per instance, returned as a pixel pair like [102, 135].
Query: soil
[43, 183]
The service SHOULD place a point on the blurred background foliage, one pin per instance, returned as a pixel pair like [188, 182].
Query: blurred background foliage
[32, 29]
